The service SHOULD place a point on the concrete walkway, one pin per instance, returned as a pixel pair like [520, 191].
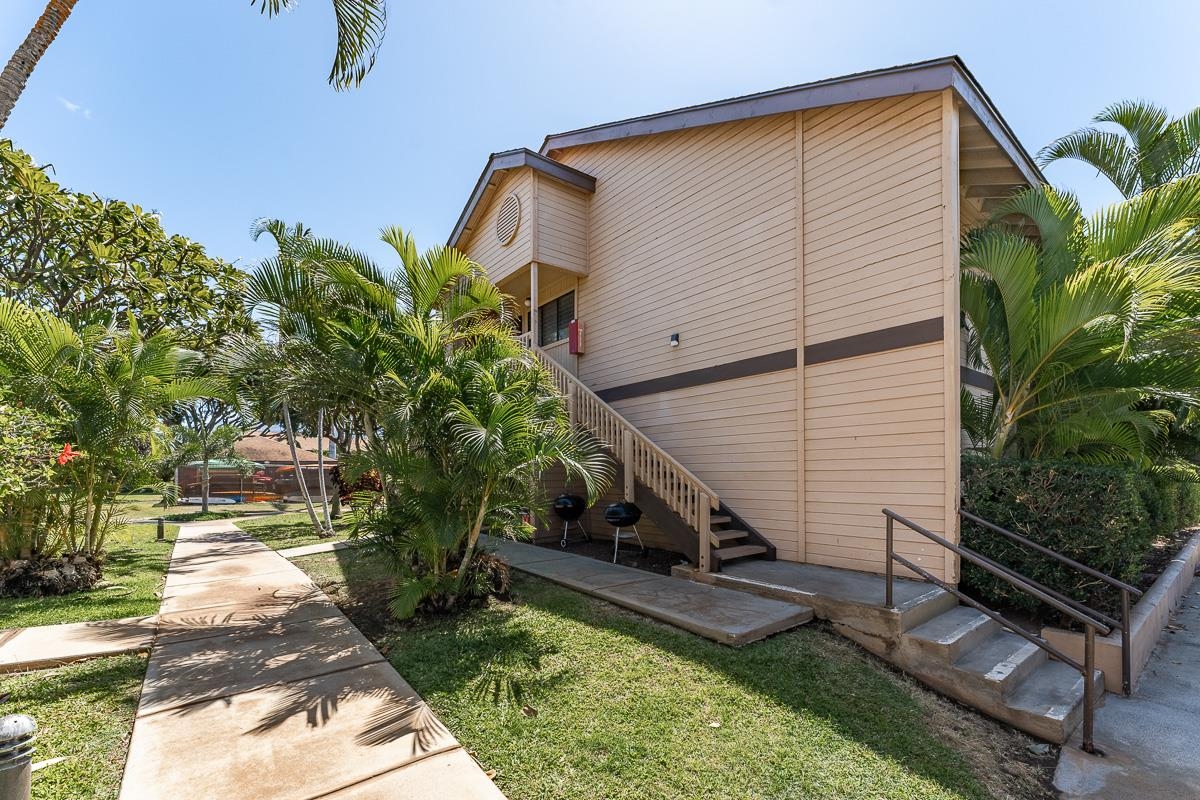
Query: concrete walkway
[723, 615]
[314, 549]
[1151, 740]
[258, 687]
[47, 646]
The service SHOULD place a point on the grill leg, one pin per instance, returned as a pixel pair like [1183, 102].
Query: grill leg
[616, 543]
[586, 536]
[563, 543]
[639, 538]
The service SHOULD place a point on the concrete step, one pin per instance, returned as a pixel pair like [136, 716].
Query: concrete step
[952, 633]
[1000, 664]
[1049, 701]
[740, 551]
[729, 536]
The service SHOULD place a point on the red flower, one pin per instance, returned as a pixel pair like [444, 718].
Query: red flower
[67, 454]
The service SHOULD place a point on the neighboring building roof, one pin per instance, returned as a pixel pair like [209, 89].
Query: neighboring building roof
[217, 463]
[925, 76]
[499, 163]
[273, 448]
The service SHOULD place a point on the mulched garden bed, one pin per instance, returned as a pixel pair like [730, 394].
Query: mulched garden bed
[652, 560]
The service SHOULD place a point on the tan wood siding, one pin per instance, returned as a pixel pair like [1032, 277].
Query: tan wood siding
[872, 216]
[503, 260]
[690, 233]
[740, 438]
[562, 220]
[874, 220]
[874, 436]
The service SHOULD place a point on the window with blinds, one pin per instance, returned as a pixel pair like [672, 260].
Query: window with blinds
[555, 317]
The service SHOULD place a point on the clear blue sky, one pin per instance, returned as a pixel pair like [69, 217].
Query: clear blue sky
[214, 116]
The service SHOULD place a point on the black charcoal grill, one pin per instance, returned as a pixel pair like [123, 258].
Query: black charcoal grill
[569, 508]
[623, 515]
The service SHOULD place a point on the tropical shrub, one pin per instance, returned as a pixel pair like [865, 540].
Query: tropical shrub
[420, 369]
[1088, 329]
[27, 480]
[1107, 517]
[108, 389]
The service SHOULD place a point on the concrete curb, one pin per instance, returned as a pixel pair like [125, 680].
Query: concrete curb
[1146, 620]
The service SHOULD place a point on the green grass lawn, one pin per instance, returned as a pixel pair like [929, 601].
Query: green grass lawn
[147, 506]
[569, 697]
[84, 714]
[133, 575]
[290, 530]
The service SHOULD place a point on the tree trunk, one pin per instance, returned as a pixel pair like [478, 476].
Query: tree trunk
[290, 432]
[321, 469]
[205, 482]
[20, 66]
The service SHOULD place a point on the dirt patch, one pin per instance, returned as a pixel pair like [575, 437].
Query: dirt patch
[1164, 549]
[650, 560]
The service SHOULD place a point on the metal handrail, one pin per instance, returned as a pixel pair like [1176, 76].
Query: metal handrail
[1126, 591]
[1090, 623]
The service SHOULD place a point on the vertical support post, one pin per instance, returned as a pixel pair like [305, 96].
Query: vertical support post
[535, 327]
[704, 526]
[1089, 687]
[801, 487]
[951, 333]
[162, 531]
[1126, 647]
[572, 399]
[627, 459]
[16, 756]
[890, 567]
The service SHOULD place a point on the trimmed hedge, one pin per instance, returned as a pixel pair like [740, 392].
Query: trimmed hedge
[1104, 517]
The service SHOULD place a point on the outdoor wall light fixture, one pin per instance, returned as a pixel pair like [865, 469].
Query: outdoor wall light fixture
[674, 340]
[527, 302]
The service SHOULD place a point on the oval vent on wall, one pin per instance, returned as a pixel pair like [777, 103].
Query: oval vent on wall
[507, 219]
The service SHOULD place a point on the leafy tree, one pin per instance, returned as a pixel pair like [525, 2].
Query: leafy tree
[97, 260]
[111, 388]
[1148, 149]
[1083, 325]
[360, 29]
[206, 430]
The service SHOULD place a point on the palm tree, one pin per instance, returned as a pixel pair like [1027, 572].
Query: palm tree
[20, 66]
[1083, 325]
[453, 415]
[1149, 150]
[360, 28]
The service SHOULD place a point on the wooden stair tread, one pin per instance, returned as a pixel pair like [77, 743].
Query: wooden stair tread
[719, 519]
[729, 536]
[741, 551]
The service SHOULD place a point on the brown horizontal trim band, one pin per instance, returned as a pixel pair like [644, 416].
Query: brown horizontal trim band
[745, 368]
[980, 380]
[913, 333]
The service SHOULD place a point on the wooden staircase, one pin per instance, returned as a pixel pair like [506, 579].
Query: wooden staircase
[687, 510]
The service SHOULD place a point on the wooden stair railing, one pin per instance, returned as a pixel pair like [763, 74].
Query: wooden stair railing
[644, 462]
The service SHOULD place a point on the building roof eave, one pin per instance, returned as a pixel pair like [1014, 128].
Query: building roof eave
[925, 76]
[516, 159]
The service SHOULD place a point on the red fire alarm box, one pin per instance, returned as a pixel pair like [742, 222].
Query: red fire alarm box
[575, 338]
